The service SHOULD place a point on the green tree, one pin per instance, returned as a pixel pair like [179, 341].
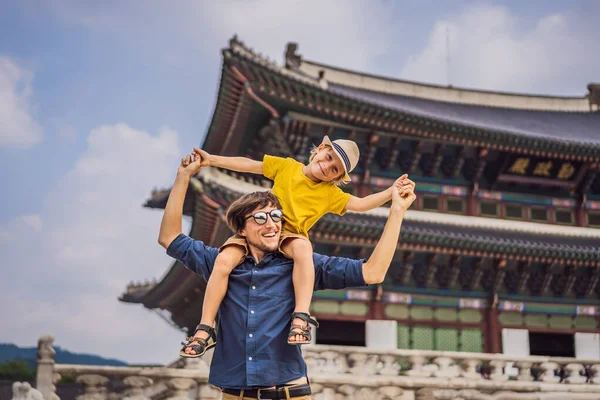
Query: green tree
[16, 371]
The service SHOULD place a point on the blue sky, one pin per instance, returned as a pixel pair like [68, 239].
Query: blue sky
[99, 100]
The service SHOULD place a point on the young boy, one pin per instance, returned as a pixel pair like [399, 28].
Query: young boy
[307, 192]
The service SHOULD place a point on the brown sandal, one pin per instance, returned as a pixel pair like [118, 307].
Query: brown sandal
[200, 346]
[300, 329]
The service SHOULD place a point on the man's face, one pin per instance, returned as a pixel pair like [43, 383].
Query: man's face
[263, 237]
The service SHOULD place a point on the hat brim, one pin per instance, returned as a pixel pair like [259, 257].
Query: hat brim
[346, 177]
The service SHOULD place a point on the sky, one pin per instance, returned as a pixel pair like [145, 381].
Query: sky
[99, 101]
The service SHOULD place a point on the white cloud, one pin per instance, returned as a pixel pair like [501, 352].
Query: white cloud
[17, 126]
[489, 49]
[349, 33]
[67, 273]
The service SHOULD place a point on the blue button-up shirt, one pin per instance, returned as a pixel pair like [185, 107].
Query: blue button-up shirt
[255, 315]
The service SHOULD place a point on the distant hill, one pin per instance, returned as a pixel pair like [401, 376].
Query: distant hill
[29, 355]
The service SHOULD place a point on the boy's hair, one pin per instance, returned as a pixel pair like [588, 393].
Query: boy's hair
[237, 211]
[313, 152]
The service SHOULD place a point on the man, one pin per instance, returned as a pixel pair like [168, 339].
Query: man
[252, 357]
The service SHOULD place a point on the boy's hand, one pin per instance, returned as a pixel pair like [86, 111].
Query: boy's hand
[205, 158]
[190, 165]
[404, 195]
[400, 181]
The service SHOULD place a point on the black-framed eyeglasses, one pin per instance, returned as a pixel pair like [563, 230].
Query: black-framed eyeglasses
[261, 216]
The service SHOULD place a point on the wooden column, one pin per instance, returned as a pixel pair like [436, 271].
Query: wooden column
[376, 306]
[492, 328]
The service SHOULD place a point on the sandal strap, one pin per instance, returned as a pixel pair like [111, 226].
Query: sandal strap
[305, 317]
[300, 330]
[206, 328]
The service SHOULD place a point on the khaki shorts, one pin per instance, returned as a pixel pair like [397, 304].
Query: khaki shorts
[241, 242]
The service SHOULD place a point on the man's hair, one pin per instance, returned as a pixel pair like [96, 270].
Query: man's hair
[237, 211]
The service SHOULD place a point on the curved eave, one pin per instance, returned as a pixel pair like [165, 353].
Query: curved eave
[578, 246]
[178, 280]
[268, 82]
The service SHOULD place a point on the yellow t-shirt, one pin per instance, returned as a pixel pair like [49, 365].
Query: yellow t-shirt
[303, 201]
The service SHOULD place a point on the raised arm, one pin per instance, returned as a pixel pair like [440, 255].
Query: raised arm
[376, 267]
[372, 201]
[170, 227]
[239, 164]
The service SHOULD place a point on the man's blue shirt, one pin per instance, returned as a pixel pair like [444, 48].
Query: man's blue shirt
[255, 315]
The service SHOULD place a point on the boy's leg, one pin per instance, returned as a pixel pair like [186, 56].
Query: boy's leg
[303, 277]
[216, 287]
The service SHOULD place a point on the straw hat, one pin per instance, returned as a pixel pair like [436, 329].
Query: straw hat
[347, 151]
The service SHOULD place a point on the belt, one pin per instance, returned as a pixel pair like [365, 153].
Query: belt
[278, 393]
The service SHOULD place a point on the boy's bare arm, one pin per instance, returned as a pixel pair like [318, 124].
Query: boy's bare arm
[372, 201]
[238, 164]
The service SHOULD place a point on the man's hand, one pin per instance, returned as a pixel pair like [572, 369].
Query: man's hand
[190, 165]
[404, 195]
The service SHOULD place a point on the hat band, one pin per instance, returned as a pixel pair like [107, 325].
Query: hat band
[342, 153]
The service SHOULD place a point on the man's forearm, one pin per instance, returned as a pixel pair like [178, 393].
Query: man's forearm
[170, 227]
[376, 267]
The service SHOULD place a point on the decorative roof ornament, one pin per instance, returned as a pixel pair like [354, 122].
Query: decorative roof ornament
[292, 58]
[594, 96]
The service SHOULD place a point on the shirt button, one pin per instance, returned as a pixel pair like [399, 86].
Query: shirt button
[251, 311]
[250, 335]
[253, 287]
[250, 358]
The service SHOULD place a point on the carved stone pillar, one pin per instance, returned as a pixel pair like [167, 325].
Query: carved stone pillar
[497, 373]
[548, 369]
[335, 363]
[470, 369]
[390, 365]
[524, 371]
[180, 388]
[135, 387]
[45, 367]
[94, 387]
[417, 367]
[573, 373]
[447, 368]
[596, 371]
[207, 392]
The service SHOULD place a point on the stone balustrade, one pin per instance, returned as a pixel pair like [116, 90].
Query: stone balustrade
[340, 372]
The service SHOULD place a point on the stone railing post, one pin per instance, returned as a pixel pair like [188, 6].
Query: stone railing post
[470, 369]
[595, 369]
[548, 369]
[390, 365]
[418, 367]
[497, 373]
[447, 367]
[207, 392]
[180, 388]
[45, 377]
[94, 387]
[573, 373]
[135, 387]
[524, 368]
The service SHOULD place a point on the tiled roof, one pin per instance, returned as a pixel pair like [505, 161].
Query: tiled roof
[580, 127]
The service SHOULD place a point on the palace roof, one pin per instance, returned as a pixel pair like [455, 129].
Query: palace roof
[459, 116]
[577, 127]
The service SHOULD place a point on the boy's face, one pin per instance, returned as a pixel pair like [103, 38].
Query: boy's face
[264, 238]
[326, 165]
